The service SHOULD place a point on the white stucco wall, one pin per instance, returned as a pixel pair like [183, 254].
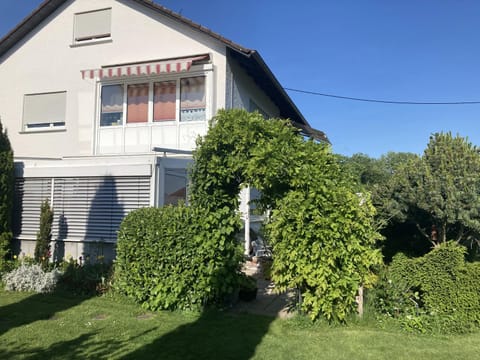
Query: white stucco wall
[245, 90]
[45, 61]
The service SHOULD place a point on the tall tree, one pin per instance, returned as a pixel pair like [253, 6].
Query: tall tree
[441, 191]
[7, 181]
[375, 177]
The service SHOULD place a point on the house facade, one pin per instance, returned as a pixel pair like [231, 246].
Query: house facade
[103, 101]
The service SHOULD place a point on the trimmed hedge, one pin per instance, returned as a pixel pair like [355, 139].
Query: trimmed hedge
[176, 257]
[439, 289]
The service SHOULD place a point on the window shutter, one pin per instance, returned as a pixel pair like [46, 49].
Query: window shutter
[45, 109]
[92, 208]
[93, 25]
[87, 208]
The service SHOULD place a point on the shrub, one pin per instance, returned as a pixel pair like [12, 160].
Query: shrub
[176, 257]
[44, 235]
[31, 278]
[7, 182]
[87, 279]
[437, 292]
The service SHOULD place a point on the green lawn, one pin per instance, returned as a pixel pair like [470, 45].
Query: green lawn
[65, 327]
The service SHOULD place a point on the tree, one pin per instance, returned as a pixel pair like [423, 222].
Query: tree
[364, 170]
[440, 192]
[375, 177]
[44, 234]
[7, 183]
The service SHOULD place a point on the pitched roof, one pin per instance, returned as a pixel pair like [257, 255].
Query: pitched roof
[248, 58]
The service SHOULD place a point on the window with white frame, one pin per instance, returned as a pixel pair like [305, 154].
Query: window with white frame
[92, 25]
[192, 99]
[44, 111]
[182, 99]
[112, 105]
[164, 100]
[175, 186]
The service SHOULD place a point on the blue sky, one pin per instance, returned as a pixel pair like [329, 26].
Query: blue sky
[426, 51]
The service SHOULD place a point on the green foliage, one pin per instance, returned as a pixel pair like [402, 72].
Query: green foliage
[323, 238]
[242, 148]
[378, 177]
[321, 231]
[7, 181]
[177, 257]
[246, 282]
[367, 172]
[440, 192]
[87, 279]
[44, 235]
[438, 291]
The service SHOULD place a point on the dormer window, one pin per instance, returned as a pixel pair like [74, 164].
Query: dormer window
[92, 26]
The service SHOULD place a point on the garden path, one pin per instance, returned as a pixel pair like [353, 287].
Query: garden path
[267, 302]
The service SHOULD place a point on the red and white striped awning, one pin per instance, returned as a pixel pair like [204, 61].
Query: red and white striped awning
[148, 68]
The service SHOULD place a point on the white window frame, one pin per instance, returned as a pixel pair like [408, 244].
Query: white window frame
[207, 73]
[44, 126]
[163, 165]
[94, 38]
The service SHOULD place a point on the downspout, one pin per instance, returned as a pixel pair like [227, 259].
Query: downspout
[247, 221]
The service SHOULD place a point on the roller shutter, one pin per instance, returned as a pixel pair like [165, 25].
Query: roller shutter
[29, 195]
[85, 208]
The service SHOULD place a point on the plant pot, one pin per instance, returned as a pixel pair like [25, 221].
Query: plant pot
[247, 294]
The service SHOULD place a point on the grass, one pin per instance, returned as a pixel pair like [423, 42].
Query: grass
[59, 326]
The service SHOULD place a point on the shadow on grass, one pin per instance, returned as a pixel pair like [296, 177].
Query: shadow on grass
[214, 335]
[35, 308]
[72, 349]
[85, 346]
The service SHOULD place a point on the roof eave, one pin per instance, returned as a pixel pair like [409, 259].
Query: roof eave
[30, 22]
[192, 24]
[256, 56]
[289, 108]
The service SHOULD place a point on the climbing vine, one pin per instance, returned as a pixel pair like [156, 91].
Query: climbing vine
[321, 231]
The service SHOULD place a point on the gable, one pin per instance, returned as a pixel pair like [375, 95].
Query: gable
[135, 33]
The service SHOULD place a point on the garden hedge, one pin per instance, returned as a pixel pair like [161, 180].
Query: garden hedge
[440, 287]
[175, 258]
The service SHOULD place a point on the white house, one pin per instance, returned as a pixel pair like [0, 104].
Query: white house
[103, 101]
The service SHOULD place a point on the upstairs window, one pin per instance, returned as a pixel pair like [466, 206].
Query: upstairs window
[112, 105]
[92, 25]
[137, 103]
[44, 111]
[192, 99]
[164, 99]
[183, 99]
